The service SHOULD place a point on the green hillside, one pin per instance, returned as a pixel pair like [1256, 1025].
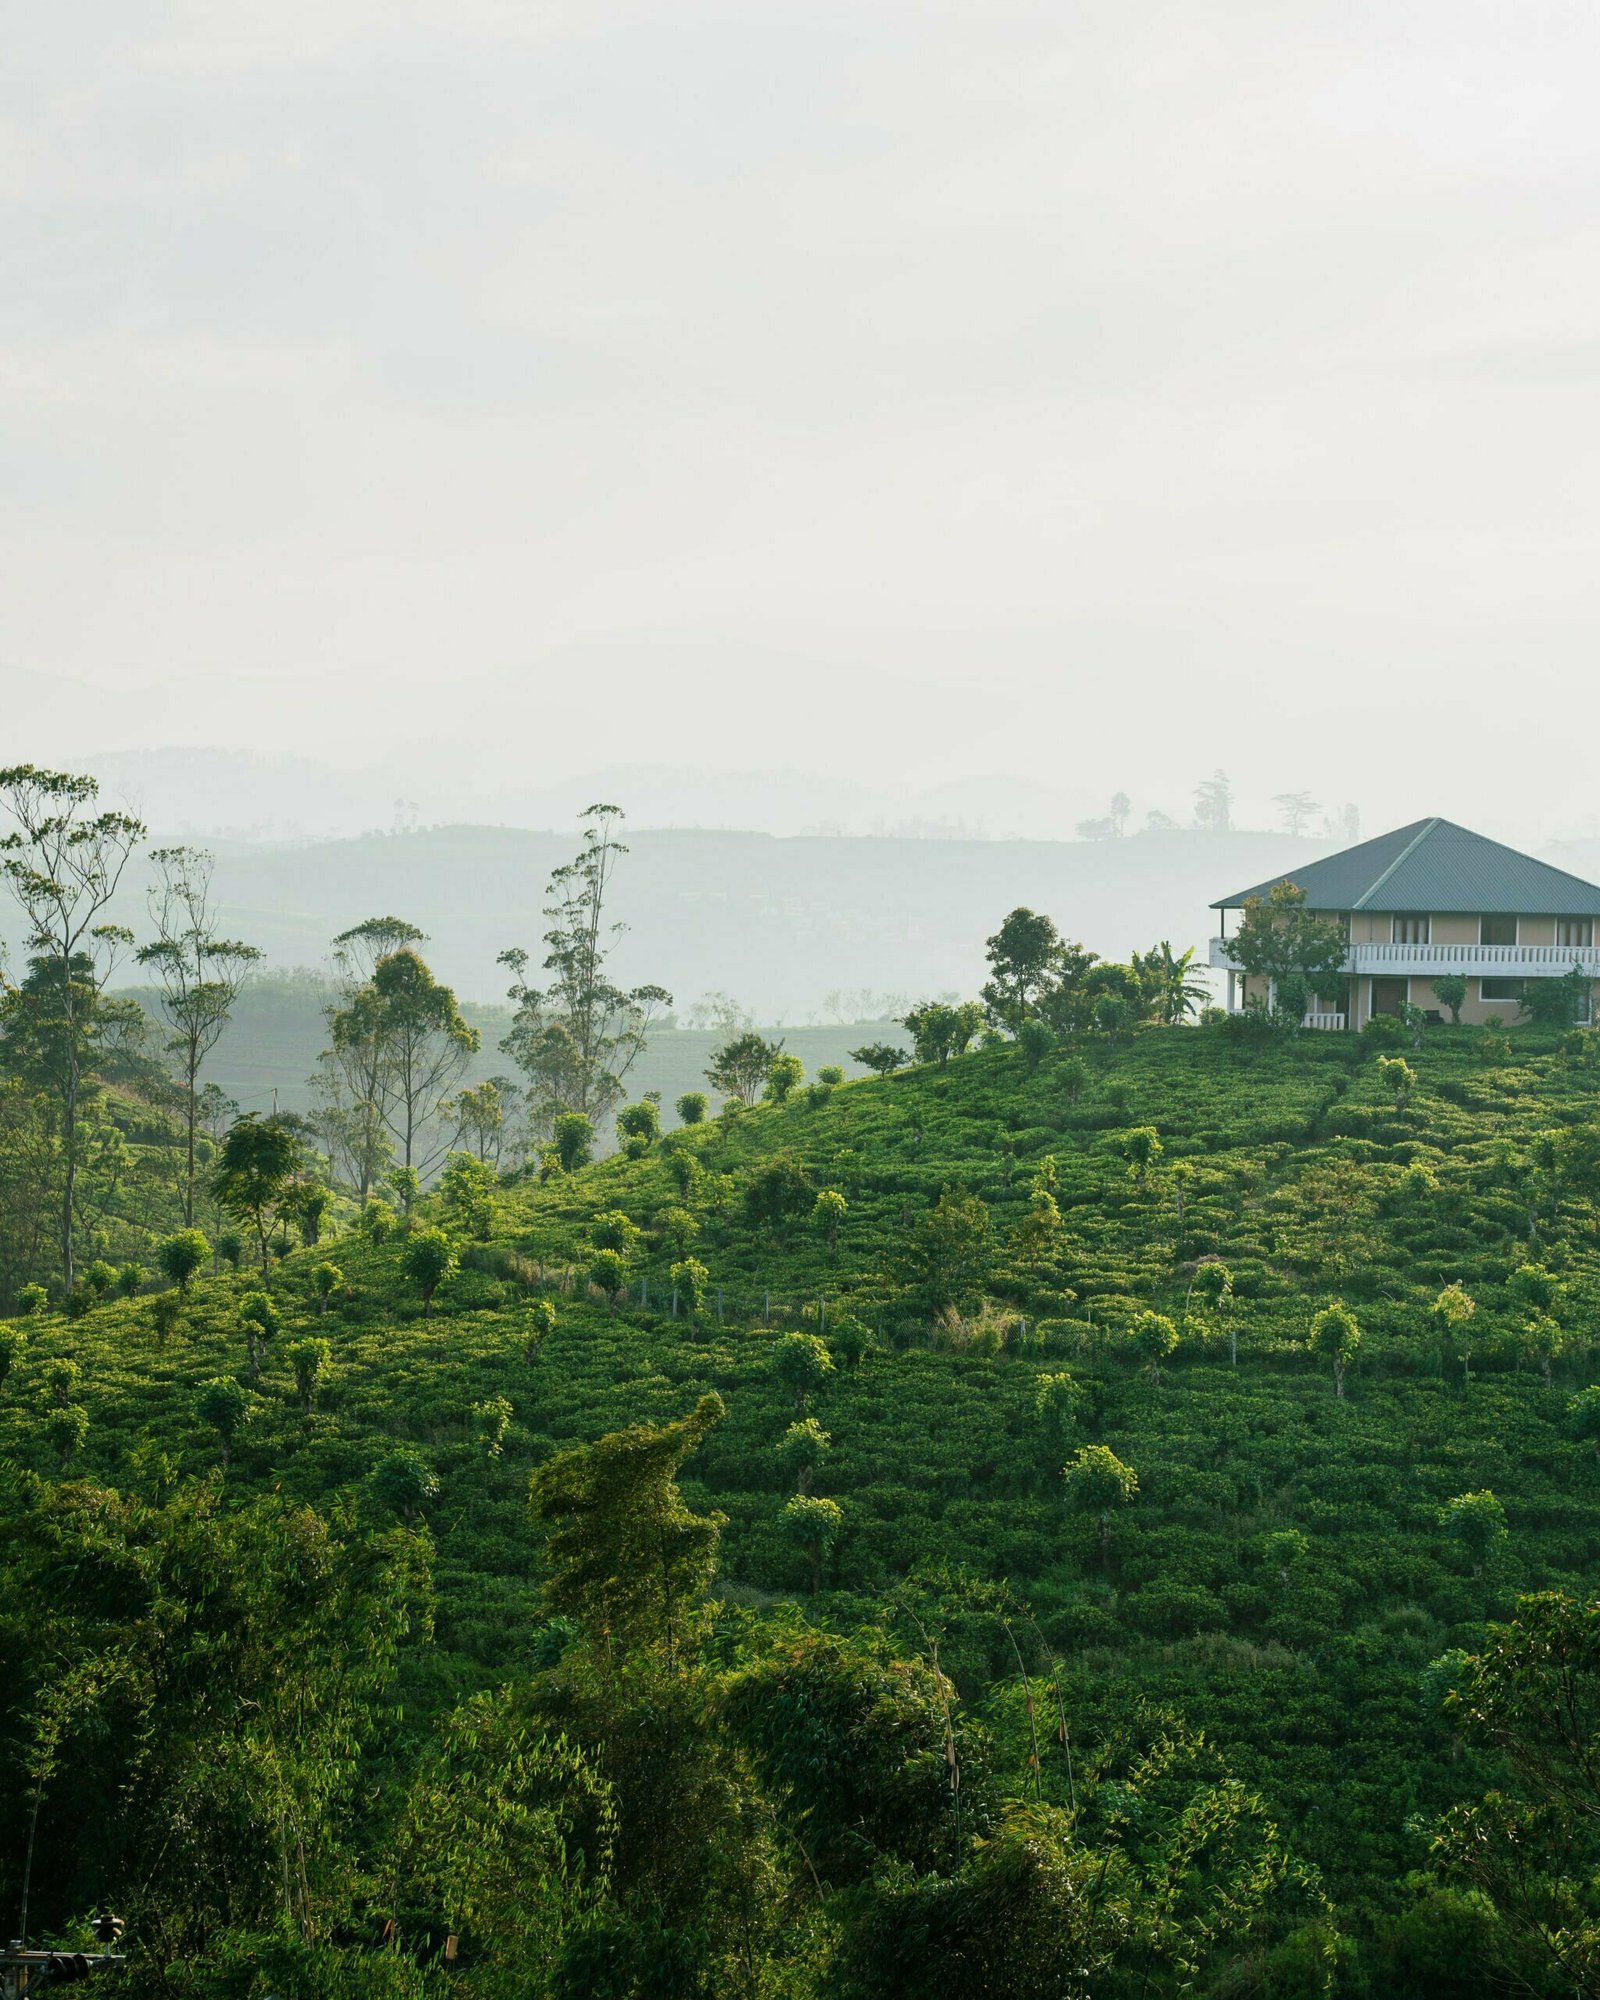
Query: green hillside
[1265, 1607]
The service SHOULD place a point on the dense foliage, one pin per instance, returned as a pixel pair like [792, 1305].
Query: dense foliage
[975, 1574]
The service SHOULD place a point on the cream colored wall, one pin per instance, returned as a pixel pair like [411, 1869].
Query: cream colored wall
[1454, 929]
[1536, 930]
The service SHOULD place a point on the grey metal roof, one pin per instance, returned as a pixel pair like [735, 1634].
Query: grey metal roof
[1435, 865]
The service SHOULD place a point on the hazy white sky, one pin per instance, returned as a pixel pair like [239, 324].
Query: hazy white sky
[1095, 393]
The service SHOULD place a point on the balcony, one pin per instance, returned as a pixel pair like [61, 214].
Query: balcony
[1493, 961]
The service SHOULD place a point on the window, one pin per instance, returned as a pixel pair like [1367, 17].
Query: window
[1410, 930]
[1497, 930]
[1575, 930]
[1500, 989]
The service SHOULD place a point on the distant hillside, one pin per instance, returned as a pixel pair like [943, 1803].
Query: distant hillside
[804, 927]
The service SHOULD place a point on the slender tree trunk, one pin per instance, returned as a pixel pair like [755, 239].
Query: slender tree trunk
[193, 1113]
[69, 1189]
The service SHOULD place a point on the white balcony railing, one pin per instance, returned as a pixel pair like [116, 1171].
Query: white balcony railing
[1332, 1022]
[1494, 961]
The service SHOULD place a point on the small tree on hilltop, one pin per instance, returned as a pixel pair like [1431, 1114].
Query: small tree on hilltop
[1142, 1149]
[1452, 1313]
[430, 1261]
[1098, 1483]
[325, 1281]
[1212, 1284]
[802, 1365]
[639, 1126]
[692, 1107]
[882, 1058]
[614, 1230]
[690, 1279]
[1334, 1332]
[574, 1137]
[66, 1427]
[308, 1359]
[779, 1193]
[946, 1259]
[404, 1483]
[179, 1257]
[827, 1213]
[1478, 1522]
[166, 1315]
[785, 1074]
[813, 1525]
[258, 1162]
[259, 1318]
[741, 1066]
[1154, 1337]
[538, 1323]
[491, 1419]
[940, 1032]
[677, 1231]
[802, 1448]
[1398, 1078]
[100, 1278]
[224, 1405]
[1450, 990]
[608, 1273]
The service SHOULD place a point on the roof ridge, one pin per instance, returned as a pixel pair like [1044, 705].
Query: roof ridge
[1405, 854]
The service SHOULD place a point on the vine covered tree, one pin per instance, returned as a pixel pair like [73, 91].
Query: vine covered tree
[198, 973]
[63, 861]
[576, 1037]
[626, 1559]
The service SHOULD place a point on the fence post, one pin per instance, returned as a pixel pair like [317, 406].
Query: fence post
[719, 1302]
[674, 1302]
[822, 1314]
[644, 1293]
[766, 1308]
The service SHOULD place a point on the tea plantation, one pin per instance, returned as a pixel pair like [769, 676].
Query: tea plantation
[1281, 1573]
